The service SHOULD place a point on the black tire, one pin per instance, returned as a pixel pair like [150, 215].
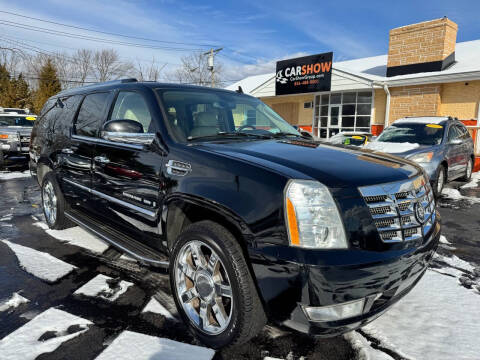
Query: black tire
[437, 187]
[61, 221]
[468, 171]
[2, 162]
[247, 314]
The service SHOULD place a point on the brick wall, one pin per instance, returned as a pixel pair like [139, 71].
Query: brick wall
[460, 99]
[417, 100]
[420, 43]
[305, 116]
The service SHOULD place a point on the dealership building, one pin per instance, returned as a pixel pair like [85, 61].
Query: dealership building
[425, 73]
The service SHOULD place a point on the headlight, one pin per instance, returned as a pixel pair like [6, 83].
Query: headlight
[313, 220]
[422, 157]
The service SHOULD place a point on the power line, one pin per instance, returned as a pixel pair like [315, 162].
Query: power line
[105, 32]
[92, 38]
[11, 37]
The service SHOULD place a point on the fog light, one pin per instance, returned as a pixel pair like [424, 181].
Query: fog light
[5, 147]
[335, 312]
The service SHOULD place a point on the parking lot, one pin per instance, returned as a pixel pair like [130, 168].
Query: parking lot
[66, 295]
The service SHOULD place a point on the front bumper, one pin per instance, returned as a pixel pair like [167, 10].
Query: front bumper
[14, 153]
[296, 278]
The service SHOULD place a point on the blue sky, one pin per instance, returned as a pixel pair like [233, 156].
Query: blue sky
[254, 33]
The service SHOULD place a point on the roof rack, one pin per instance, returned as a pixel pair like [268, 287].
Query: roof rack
[113, 82]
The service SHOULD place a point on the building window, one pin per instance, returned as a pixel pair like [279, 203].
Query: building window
[339, 112]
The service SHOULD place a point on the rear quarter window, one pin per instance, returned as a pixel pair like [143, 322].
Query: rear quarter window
[91, 114]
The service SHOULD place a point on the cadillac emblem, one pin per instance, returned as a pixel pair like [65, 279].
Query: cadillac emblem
[420, 213]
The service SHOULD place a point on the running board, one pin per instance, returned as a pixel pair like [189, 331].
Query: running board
[123, 243]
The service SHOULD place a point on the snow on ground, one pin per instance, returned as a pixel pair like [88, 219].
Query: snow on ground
[76, 236]
[454, 194]
[14, 301]
[40, 264]
[30, 340]
[131, 345]
[391, 147]
[104, 287]
[154, 306]
[474, 182]
[14, 175]
[363, 347]
[438, 319]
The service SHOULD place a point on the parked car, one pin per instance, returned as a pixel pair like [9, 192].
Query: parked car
[15, 128]
[352, 138]
[253, 221]
[441, 145]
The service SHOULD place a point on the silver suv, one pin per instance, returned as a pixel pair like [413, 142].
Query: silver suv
[441, 145]
[15, 129]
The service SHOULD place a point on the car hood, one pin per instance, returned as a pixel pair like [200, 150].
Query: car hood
[403, 150]
[23, 130]
[334, 166]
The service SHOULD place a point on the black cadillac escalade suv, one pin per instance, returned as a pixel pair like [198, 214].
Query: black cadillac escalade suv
[253, 221]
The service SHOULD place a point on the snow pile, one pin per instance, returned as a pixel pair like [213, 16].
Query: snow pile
[363, 348]
[454, 194]
[14, 175]
[104, 287]
[436, 320]
[13, 302]
[474, 182]
[76, 236]
[131, 345]
[26, 343]
[40, 264]
[391, 147]
[154, 306]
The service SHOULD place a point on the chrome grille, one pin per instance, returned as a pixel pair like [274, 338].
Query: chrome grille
[396, 208]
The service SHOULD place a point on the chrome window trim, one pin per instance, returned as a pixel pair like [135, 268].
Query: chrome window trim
[139, 209]
[106, 142]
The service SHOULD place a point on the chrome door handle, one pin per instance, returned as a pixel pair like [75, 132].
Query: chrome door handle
[101, 159]
[67, 151]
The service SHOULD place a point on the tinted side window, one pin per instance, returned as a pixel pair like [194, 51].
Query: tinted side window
[132, 106]
[463, 130]
[453, 133]
[91, 114]
[63, 118]
[42, 122]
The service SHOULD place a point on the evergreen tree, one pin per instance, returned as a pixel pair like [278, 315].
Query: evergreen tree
[48, 85]
[22, 95]
[5, 87]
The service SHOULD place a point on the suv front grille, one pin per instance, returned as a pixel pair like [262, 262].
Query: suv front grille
[397, 209]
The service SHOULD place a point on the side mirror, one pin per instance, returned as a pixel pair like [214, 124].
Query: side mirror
[126, 131]
[306, 134]
[455, 142]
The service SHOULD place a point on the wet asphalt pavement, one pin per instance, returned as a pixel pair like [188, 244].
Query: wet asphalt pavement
[20, 200]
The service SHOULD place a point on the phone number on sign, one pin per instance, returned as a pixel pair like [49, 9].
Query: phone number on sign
[305, 82]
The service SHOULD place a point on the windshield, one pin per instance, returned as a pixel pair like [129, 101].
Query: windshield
[423, 134]
[17, 120]
[206, 115]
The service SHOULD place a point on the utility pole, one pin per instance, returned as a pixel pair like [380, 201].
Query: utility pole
[211, 54]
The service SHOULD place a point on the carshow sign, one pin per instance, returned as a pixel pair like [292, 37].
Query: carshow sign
[304, 74]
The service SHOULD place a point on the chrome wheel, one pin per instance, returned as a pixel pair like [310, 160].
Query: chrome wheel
[469, 169]
[49, 203]
[440, 181]
[203, 287]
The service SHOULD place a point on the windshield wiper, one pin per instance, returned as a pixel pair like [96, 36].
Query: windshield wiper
[283, 134]
[227, 134]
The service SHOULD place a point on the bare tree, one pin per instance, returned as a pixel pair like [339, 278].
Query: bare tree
[107, 65]
[194, 70]
[83, 60]
[12, 58]
[150, 72]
